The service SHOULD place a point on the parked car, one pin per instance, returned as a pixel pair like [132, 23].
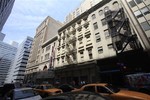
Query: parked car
[9, 86]
[66, 87]
[113, 92]
[22, 94]
[83, 95]
[47, 89]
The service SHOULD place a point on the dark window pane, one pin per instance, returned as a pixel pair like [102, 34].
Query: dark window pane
[138, 14]
[103, 22]
[101, 12]
[95, 26]
[132, 3]
[138, 1]
[93, 16]
[145, 26]
[102, 90]
[145, 11]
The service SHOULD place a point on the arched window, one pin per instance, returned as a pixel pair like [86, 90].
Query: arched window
[101, 12]
[115, 5]
[93, 16]
[106, 9]
[45, 67]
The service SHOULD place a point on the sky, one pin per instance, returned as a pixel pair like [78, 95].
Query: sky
[27, 15]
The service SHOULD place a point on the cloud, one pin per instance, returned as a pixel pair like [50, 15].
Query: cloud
[27, 15]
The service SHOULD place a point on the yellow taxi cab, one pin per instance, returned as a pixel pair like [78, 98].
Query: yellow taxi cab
[47, 89]
[113, 92]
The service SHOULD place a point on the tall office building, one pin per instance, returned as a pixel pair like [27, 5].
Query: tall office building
[41, 58]
[138, 12]
[5, 10]
[15, 44]
[101, 43]
[2, 36]
[7, 55]
[18, 69]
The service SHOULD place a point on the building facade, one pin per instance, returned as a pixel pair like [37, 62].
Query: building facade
[7, 55]
[84, 6]
[42, 53]
[19, 65]
[2, 36]
[5, 10]
[101, 43]
[139, 13]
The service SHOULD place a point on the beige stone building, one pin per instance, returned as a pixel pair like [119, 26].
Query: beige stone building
[41, 58]
[93, 45]
[84, 6]
[102, 40]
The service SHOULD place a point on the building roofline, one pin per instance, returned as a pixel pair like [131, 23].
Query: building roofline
[100, 4]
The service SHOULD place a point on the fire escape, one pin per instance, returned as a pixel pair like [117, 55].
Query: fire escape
[120, 31]
[71, 47]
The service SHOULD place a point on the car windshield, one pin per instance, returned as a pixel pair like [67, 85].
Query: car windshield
[113, 88]
[20, 94]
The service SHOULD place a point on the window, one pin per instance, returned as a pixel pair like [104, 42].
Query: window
[47, 48]
[110, 46]
[106, 32]
[103, 22]
[102, 90]
[100, 49]
[101, 12]
[58, 60]
[81, 55]
[88, 36]
[90, 53]
[116, 5]
[106, 9]
[98, 38]
[138, 1]
[132, 3]
[63, 59]
[95, 26]
[118, 45]
[145, 26]
[89, 88]
[80, 41]
[93, 16]
[138, 14]
[47, 56]
[145, 11]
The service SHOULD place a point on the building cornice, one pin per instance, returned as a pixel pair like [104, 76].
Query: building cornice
[49, 41]
[100, 4]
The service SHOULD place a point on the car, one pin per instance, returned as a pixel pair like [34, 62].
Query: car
[9, 86]
[82, 95]
[66, 87]
[47, 89]
[22, 94]
[113, 92]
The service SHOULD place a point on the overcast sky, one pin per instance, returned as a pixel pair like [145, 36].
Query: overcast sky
[28, 14]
